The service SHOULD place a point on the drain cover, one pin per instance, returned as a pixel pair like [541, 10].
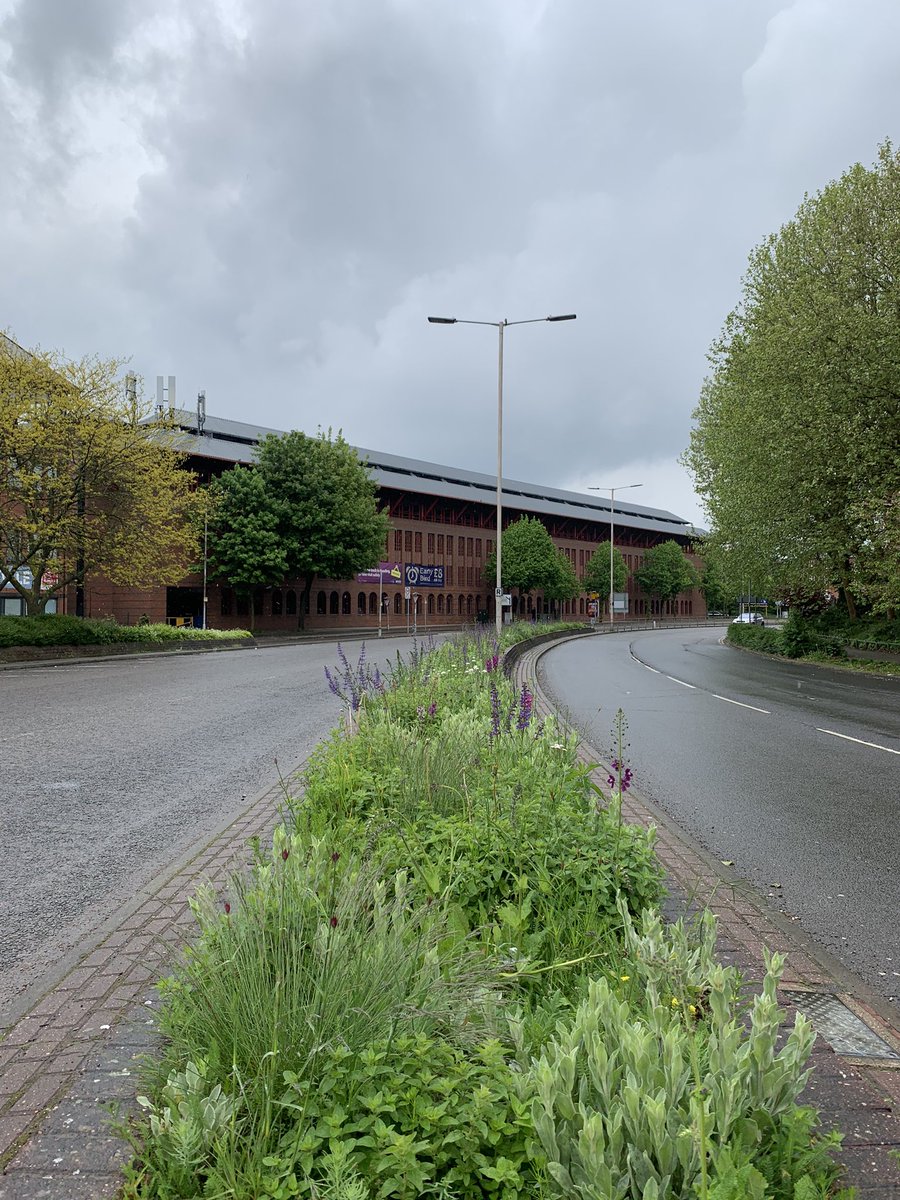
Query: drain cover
[844, 1031]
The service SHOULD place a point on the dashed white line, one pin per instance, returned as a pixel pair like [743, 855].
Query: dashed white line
[681, 681]
[740, 704]
[859, 741]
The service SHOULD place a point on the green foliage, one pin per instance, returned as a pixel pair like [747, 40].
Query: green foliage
[757, 637]
[645, 1107]
[53, 630]
[596, 573]
[666, 571]
[325, 506]
[245, 548]
[531, 562]
[412, 1116]
[90, 480]
[795, 449]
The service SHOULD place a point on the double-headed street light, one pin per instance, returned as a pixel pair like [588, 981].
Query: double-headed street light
[612, 517]
[499, 326]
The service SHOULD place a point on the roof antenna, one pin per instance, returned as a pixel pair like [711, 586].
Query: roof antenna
[201, 412]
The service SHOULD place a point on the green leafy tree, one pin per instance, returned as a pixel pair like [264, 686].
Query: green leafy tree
[245, 548]
[713, 585]
[796, 447]
[596, 572]
[666, 572]
[565, 584]
[325, 506]
[529, 559]
[90, 482]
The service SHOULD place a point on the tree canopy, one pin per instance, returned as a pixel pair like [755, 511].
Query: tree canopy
[316, 514]
[89, 480]
[666, 572]
[244, 545]
[596, 572]
[530, 561]
[796, 447]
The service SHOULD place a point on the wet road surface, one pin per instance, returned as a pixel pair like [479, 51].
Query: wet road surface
[112, 770]
[790, 772]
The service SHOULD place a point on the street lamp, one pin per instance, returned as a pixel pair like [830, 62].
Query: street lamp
[499, 326]
[612, 517]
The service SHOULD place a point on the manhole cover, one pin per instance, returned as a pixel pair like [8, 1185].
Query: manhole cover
[844, 1031]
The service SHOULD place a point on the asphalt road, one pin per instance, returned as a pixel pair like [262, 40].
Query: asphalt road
[790, 772]
[111, 770]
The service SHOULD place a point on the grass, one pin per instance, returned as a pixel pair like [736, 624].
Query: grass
[53, 630]
[451, 927]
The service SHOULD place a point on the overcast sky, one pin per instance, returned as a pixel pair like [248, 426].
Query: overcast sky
[267, 198]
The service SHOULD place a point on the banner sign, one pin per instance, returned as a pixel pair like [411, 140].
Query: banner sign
[387, 572]
[424, 575]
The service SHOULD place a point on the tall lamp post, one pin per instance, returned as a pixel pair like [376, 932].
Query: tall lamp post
[499, 326]
[612, 519]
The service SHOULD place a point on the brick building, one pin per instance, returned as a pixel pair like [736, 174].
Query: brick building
[443, 524]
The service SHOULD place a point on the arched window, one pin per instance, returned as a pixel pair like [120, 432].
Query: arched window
[449, 606]
[461, 609]
[581, 607]
[345, 604]
[478, 607]
[469, 600]
[243, 606]
[361, 604]
[333, 603]
[226, 602]
[277, 602]
[440, 605]
[398, 604]
[321, 603]
[259, 596]
[290, 603]
[306, 604]
[430, 603]
[373, 603]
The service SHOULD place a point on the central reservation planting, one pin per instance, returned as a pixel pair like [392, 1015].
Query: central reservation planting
[448, 976]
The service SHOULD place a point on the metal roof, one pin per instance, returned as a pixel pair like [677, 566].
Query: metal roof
[236, 441]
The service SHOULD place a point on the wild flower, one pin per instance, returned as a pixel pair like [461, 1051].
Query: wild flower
[492, 663]
[621, 778]
[526, 706]
[353, 683]
[495, 711]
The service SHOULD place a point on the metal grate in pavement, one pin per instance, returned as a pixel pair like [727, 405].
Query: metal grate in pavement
[844, 1031]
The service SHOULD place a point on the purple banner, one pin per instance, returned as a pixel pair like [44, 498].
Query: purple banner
[387, 572]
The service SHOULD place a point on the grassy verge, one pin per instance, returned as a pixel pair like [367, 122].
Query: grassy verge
[78, 631]
[448, 976]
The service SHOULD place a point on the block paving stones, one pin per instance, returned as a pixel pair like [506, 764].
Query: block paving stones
[75, 1053]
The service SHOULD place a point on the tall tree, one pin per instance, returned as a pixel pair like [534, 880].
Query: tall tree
[325, 507]
[666, 572]
[596, 572]
[796, 448]
[245, 548]
[89, 480]
[529, 558]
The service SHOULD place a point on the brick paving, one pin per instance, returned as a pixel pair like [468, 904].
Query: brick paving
[77, 1050]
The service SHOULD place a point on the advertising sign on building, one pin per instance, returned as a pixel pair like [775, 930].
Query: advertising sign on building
[424, 575]
[388, 572]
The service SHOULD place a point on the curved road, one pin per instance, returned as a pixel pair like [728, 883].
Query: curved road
[790, 772]
[113, 769]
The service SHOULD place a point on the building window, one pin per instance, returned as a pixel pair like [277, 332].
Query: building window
[468, 606]
[478, 547]
[361, 604]
[321, 604]
[461, 547]
[449, 606]
[398, 540]
[333, 604]
[407, 540]
[440, 543]
[418, 549]
[490, 546]
[242, 608]
[461, 609]
[431, 543]
[440, 605]
[469, 547]
[398, 604]
[277, 603]
[373, 604]
[290, 603]
[470, 575]
[345, 604]
[226, 602]
[430, 604]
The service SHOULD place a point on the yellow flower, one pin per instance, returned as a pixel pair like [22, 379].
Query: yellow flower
[693, 1009]
[624, 978]
[675, 1001]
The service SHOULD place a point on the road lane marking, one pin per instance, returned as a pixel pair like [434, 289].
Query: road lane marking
[740, 704]
[681, 681]
[859, 741]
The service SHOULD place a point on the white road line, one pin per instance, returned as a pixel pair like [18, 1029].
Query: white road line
[859, 741]
[681, 681]
[741, 705]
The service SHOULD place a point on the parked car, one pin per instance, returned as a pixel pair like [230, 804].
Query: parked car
[748, 618]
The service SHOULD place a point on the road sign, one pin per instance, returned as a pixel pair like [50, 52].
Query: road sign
[498, 592]
[407, 592]
[506, 599]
